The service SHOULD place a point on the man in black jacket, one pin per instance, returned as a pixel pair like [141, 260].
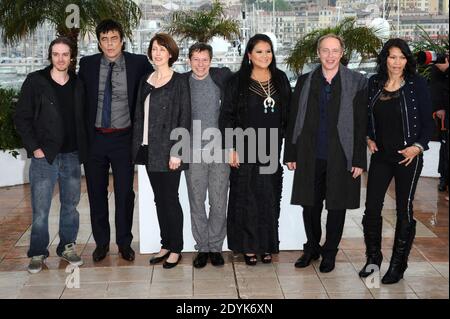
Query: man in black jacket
[207, 88]
[111, 80]
[49, 118]
[439, 86]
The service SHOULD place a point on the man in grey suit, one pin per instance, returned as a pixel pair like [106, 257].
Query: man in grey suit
[207, 87]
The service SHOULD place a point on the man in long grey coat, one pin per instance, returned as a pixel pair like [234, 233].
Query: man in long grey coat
[327, 130]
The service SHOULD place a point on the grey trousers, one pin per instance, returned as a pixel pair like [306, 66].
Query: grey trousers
[209, 231]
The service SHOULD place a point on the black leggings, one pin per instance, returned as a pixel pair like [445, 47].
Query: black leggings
[170, 215]
[381, 172]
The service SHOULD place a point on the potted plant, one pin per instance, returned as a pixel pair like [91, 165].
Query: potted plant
[13, 159]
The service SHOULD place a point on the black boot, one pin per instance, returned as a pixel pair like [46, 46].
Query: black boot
[372, 238]
[405, 232]
[442, 187]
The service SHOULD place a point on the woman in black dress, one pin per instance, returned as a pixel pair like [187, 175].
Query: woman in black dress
[258, 98]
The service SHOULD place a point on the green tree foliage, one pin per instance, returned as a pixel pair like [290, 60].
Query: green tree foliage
[203, 25]
[427, 43]
[358, 39]
[20, 18]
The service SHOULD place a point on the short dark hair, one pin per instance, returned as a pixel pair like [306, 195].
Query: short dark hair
[109, 25]
[61, 40]
[166, 41]
[410, 67]
[199, 47]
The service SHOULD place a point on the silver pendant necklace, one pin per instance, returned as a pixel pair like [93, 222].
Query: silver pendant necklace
[269, 102]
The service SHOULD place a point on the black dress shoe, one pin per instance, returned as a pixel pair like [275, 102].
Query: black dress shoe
[100, 252]
[442, 187]
[201, 260]
[327, 264]
[155, 260]
[127, 253]
[168, 265]
[306, 259]
[216, 259]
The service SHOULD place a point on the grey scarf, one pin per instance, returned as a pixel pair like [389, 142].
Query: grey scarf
[351, 83]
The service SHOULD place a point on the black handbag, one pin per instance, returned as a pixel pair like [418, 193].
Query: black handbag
[142, 155]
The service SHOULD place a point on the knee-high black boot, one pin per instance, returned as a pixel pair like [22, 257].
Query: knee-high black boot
[372, 238]
[405, 231]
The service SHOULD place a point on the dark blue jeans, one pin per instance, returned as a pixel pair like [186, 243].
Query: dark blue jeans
[65, 169]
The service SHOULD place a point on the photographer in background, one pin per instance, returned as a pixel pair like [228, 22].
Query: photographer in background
[439, 86]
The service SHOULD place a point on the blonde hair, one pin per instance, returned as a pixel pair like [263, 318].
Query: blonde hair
[333, 36]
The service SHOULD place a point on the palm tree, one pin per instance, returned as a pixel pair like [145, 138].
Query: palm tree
[362, 40]
[203, 25]
[22, 17]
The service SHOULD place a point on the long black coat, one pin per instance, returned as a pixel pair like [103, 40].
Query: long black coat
[342, 190]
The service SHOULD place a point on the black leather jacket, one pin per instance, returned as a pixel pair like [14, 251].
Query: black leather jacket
[416, 110]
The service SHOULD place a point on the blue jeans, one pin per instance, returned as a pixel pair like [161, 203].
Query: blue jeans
[66, 170]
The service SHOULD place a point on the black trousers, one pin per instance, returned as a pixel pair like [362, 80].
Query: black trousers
[443, 157]
[112, 149]
[312, 218]
[170, 215]
[381, 172]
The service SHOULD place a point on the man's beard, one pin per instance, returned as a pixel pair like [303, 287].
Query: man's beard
[59, 69]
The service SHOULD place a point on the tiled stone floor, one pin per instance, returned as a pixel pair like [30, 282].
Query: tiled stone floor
[426, 277]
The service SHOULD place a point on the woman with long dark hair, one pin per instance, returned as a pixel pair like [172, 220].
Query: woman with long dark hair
[257, 98]
[400, 126]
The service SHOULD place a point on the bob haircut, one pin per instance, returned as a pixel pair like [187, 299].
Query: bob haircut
[165, 40]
